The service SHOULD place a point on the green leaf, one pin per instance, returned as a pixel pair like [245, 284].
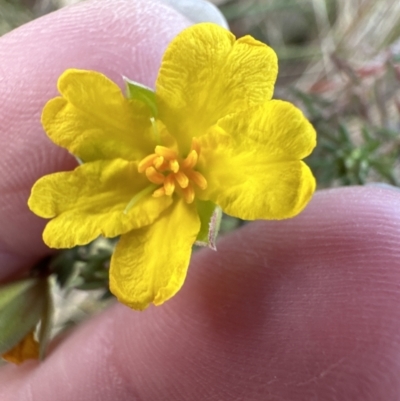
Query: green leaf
[46, 321]
[64, 266]
[142, 94]
[344, 134]
[9, 292]
[210, 218]
[21, 307]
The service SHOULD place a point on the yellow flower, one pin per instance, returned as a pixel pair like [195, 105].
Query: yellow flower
[154, 175]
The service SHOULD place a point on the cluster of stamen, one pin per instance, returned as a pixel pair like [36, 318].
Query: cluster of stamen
[164, 167]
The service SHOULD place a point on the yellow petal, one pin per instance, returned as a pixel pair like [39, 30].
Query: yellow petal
[27, 348]
[246, 184]
[90, 201]
[93, 119]
[150, 264]
[277, 128]
[205, 75]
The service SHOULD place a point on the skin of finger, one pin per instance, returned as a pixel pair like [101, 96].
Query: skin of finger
[303, 309]
[115, 37]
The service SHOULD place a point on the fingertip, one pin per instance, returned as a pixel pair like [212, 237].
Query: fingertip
[115, 37]
[303, 308]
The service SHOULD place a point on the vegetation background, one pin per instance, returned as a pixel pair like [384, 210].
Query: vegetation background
[339, 62]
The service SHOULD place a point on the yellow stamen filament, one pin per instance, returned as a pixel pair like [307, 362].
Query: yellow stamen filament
[155, 129]
[169, 185]
[154, 176]
[196, 145]
[166, 169]
[167, 153]
[182, 179]
[139, 196]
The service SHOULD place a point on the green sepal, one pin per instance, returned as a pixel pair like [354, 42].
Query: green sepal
[64, 266]
[143, 94]
[79, 160]
[11, 291]
[210, 218]
[46, 321]
[92, 285]
[21, 307]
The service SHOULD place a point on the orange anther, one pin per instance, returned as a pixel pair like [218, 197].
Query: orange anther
[154, 176]
[169, 184]
[188, 194]
[166, 169]
[174, 165]
[146, 162]
[190, 160]
[182, 179]
[158, 162]
[197, 178]
[166, 152]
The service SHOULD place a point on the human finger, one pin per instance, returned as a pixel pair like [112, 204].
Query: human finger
[115, 37]
[302, 309]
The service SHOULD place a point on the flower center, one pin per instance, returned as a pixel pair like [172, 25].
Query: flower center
[165, 168]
